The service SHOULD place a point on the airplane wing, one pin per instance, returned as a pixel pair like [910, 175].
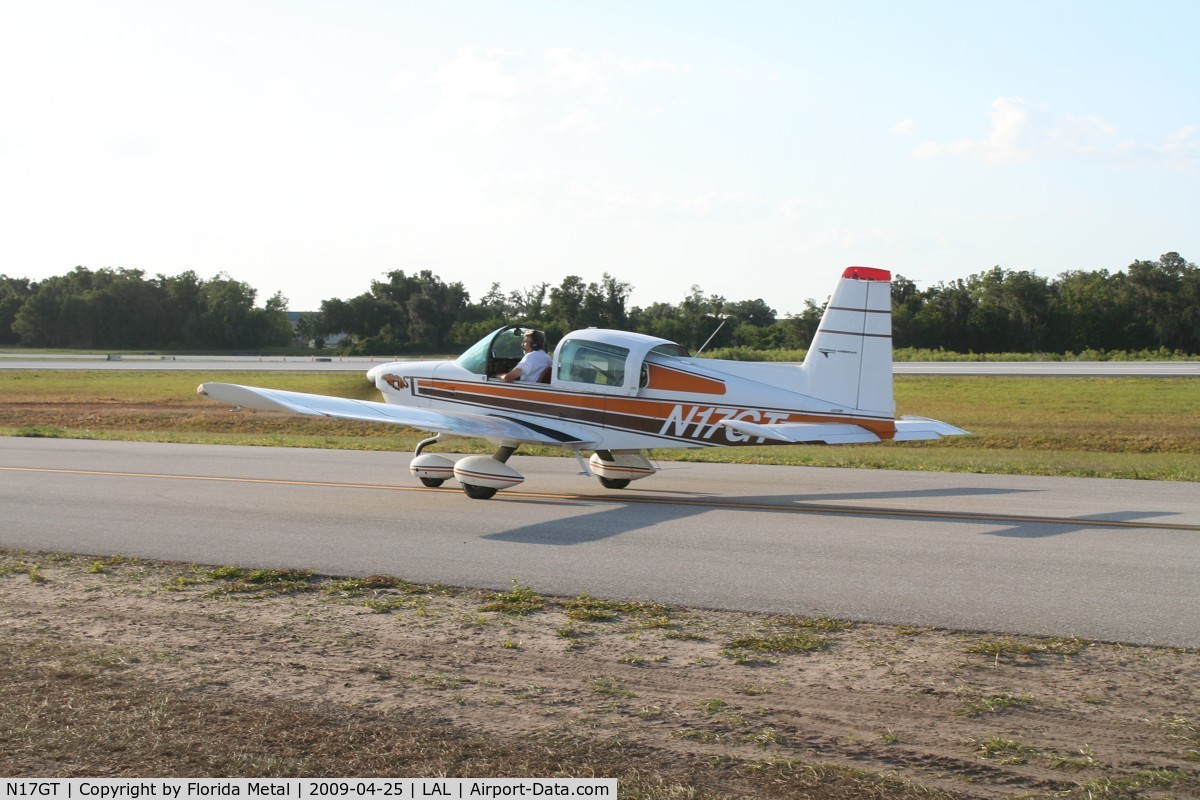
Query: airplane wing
[908, 429]
[485, 426]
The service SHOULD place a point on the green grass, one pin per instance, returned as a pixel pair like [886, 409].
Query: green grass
[925, 354]
[261, 582]
[993, 704]
[519, 601]
[792, 642]
[1007, 647]
[169, 387]
[586, 608]
[1005, 751]
[1145, 428]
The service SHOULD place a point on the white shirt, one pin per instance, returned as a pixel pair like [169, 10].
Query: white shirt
[533, 366]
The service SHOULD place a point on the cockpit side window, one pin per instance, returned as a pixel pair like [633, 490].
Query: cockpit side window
[596, 363]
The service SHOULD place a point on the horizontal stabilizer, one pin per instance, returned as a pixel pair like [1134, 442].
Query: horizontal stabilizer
[447, 422]
[797, 432]
[912, 429]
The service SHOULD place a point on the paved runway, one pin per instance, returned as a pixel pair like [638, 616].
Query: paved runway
[1145, 369]
[1100, 559]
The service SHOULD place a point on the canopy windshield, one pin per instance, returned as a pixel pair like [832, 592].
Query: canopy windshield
[498, 351]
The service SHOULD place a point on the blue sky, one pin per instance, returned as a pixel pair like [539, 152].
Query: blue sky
[753, 149]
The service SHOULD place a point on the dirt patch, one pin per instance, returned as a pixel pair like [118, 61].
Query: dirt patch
[126, 667]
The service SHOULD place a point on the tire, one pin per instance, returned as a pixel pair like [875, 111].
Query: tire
[479, 492]
[433, 483]
[614, 483]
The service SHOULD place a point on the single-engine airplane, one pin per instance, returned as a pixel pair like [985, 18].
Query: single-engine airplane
[619, 394]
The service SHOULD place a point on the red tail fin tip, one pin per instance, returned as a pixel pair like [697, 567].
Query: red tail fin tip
[867, 274]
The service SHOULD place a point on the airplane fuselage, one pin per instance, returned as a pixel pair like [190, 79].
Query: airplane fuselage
[620, 394]
[687, 409]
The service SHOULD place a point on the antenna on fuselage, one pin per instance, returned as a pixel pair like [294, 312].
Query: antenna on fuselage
[724, 319]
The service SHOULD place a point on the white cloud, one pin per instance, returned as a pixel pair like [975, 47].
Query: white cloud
[620, 201]
[1001, 144]
[906, 127]
[593, 85]
[648, 66]
[576, 72]
[849, 240]
[1186, 138]
[535, 193]
[1080, 135]
[1182, 149]
[478, 93]
[403, 81]
[797, 208]
[1021, 131]
[752, 76]
[578, 120]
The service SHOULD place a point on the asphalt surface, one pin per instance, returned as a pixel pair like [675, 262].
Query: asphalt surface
[1145, 369]
[1100, 559]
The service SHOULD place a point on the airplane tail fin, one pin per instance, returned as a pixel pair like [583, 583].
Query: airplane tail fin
[849, 362]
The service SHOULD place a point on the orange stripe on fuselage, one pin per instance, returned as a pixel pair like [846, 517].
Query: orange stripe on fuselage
[661, 411]
[672, 380]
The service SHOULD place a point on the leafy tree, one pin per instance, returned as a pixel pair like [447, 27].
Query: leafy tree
[53, 314]
[416, 313]
[308, 329]
[800, 329]
[567, 304]
[433, 308]
[752, 312]
[13, 294]
[658, 319]
[528, 304]
[1150, 305]
[1092, 311]
[1012, 311]
[1163, 299]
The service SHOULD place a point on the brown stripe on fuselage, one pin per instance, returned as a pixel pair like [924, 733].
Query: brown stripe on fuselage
[668, 419]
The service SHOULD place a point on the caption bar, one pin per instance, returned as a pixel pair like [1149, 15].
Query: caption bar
[306, 788]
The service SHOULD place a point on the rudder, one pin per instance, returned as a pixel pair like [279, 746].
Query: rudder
[850, 360]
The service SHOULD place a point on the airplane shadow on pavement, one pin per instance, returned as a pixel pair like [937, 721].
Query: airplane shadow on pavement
[626, 512]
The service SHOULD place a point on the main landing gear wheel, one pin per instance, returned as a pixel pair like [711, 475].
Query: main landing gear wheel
[613, 483]
[433, 483]
[479, 492]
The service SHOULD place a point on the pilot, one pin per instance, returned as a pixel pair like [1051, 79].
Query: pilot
[535, 365]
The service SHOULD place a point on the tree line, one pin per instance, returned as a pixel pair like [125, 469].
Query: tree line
[123, 309]
[1151, 305]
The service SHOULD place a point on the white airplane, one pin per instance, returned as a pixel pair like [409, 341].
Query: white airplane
[619, 394]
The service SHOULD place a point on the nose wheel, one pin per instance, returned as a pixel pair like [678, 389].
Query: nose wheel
[479, 492]
[616, 470]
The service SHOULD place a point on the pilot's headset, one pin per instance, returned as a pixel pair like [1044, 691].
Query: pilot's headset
[537, 339]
